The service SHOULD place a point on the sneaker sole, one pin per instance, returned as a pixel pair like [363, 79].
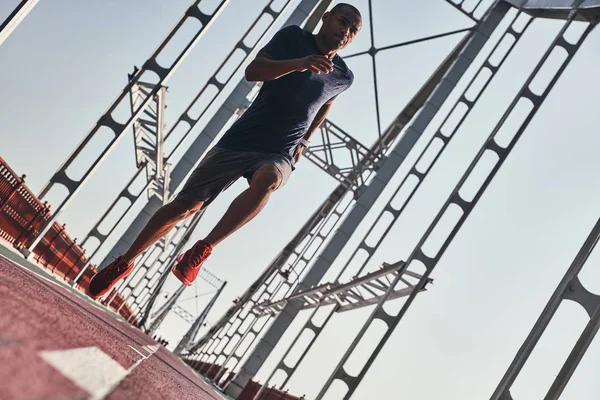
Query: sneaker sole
[181, 277]
[106, 291]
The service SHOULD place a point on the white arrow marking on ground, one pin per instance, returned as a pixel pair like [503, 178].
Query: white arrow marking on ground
[88, 367]
[91, 369]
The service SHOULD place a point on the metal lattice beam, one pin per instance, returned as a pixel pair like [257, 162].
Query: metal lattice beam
[332, 145]
[184, 314]
[360, 292]
[149, 136]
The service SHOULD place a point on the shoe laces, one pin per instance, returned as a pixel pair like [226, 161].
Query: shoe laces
[198, 255]
[116, 269]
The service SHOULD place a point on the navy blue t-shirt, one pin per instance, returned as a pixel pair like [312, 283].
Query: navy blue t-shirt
[286, 107]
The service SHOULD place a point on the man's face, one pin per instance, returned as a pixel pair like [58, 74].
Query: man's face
[340, 28]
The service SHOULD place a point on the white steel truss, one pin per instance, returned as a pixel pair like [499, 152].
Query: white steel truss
[360, 292]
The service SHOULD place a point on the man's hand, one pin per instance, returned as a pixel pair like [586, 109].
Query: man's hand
[263, 68]
[299, 150]
[314, 63]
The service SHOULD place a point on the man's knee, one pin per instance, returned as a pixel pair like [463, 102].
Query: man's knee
[266, 179]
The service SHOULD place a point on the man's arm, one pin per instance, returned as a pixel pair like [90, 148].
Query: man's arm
[319, 118]
[264, 68]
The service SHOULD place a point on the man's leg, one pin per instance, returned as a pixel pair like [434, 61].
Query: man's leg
[269, 173]
[159, 225]
[248, 204]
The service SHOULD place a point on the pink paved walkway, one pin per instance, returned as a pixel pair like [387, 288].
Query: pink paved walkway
[56, 345]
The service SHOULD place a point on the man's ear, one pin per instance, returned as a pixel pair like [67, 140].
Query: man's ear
[326, 16]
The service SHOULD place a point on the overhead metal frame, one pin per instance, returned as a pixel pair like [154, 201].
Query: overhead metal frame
[166, 308]
[588, 10]
[459, 5]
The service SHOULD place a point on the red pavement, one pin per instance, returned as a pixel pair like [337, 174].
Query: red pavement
[37, 315]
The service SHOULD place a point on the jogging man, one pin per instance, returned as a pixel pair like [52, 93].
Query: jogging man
[302, 75]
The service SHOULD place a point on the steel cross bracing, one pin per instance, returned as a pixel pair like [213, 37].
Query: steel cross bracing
[146, 303]
[374, 50]
[219, 335]
[569, 288]
[410, 183]
[331, 141]
[149, 68]
[15, 18]
[184, 314]
[332, 138]
[191, 334]
[498, 148]
[213, 85]
[171, 305]
[360, 292]
[161, 314]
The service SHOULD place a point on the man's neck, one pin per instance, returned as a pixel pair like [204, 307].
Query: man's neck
[322, 46]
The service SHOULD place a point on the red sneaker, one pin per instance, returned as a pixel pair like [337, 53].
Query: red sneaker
[106, 278]
[189, 263]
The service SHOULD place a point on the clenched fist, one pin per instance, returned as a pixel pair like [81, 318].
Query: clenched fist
[314, 63]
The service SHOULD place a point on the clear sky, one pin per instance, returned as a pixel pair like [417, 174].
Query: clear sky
[68, 60]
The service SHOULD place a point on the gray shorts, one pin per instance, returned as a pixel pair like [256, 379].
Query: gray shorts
[222, 167]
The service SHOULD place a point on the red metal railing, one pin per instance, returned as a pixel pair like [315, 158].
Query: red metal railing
[250, 390]
[21, 217]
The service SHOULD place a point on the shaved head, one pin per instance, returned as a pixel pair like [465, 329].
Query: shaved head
[345, 7]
